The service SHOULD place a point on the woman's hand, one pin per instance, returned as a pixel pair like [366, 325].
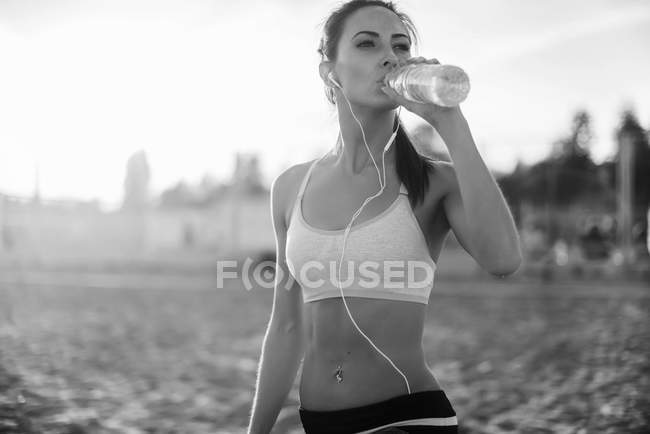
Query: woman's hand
[430, 112]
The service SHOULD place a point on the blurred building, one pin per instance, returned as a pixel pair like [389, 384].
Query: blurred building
[211, 219]
[136, 182]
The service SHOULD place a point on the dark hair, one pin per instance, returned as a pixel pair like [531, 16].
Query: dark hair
[412, 167]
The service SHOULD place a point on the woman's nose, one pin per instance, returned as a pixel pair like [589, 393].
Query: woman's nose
[390, 61]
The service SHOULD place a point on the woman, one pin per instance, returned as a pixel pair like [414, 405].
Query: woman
[379, 382]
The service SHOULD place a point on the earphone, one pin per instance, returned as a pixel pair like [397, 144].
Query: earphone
[331, 78]
[382, 183]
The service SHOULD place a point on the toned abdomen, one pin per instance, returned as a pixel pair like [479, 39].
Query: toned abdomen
[367, 376]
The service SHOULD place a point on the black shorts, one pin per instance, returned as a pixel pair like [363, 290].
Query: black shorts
[427, 411]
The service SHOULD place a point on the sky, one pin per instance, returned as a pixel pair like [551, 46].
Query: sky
[85, 84]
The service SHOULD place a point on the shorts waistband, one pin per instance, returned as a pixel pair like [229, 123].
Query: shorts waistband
[431, 407]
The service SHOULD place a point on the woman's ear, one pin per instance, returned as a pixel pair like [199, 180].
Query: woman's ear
[324, 69]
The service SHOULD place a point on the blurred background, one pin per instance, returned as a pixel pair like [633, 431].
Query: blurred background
[138, 141]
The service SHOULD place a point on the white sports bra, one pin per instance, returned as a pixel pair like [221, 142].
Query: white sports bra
[386, 257]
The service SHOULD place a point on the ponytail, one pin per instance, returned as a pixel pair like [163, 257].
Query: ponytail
[412, 167]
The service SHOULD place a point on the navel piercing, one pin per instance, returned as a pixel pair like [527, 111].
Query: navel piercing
[339, 371]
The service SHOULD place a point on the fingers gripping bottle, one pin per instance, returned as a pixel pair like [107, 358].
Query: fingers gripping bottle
[382, 183]
[443, 85]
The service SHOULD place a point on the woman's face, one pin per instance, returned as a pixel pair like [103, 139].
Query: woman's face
[374, 41]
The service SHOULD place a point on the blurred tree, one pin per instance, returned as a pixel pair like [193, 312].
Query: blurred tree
[246, 181]
[208, 182]
[136, 182]
[247, 174]
[573, 174]
[209, 190]
[510, 185]
[632, 164]
[567, 175]
[578, 143]
[180, 195]
[641, 159]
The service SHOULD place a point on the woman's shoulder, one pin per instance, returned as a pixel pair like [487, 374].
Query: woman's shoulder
[285, 186]
[291, 177]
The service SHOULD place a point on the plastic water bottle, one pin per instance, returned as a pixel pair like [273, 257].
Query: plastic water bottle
[444, 85]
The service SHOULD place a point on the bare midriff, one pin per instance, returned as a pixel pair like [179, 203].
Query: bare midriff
[365, 375]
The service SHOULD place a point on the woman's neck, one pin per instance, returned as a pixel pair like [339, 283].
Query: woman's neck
[377, 126]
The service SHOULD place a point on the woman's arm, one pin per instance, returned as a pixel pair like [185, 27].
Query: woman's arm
[283, 345]
[474, 205]
[281, 355]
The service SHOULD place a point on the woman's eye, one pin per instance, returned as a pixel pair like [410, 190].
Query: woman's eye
[400, 46]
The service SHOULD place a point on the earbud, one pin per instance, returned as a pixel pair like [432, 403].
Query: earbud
[331, 78]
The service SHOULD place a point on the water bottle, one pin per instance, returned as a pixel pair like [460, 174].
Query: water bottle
[443, 85]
